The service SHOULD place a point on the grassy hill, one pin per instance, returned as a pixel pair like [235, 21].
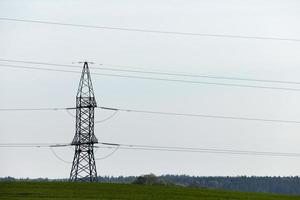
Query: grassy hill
[104, 191]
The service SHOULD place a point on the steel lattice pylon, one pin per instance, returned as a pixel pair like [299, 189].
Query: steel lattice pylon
[84, 166]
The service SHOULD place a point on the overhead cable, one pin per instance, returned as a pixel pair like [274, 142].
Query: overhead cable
[107, 118]
[160, 79]
[199, 115]
[155, 72]
[231, 36]
[161, 113]
[8, 145]
[32, 109]
[117, 146]
[58, 157]
[198, 150]
[108, 155]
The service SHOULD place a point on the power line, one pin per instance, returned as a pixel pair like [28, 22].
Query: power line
[98, 121]
[186, 74]
[58, 157]
[198, 150]
[151, 31]
[107, 118]
[71, 114]
[159, 113]
[9, 145]
[108, 155]
[158, 79]
[117, 146]
[39, 68]
[183, 74]
[33, 143]
[39, 63]
[191, 149]
[200, 115]
[214, 152]
[33, 109]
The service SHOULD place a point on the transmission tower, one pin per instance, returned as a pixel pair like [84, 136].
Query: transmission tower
[84, 166]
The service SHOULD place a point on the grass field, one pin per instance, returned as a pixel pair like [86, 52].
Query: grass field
[85, 191]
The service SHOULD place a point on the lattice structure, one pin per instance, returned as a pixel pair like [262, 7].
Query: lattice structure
[84, 166]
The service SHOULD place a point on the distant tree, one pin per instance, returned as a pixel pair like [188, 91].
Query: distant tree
[149, 179]
[141, 180]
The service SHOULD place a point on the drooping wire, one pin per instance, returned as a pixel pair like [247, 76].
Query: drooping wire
[58, 157]
[96, 122]
[38, 145]
[71, 114]
[108, 118]
[108, 155]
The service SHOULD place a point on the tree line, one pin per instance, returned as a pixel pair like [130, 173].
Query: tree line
[278, 185]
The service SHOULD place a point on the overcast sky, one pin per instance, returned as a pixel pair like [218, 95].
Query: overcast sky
[246, 58]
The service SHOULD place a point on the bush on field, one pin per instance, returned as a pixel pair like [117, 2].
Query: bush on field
[149, 179]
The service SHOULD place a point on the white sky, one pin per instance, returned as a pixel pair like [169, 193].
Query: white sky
[262, 59]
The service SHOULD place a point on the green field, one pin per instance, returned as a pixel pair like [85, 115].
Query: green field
[55, 190]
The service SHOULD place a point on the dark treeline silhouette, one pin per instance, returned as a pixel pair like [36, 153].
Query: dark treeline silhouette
[278, 185]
